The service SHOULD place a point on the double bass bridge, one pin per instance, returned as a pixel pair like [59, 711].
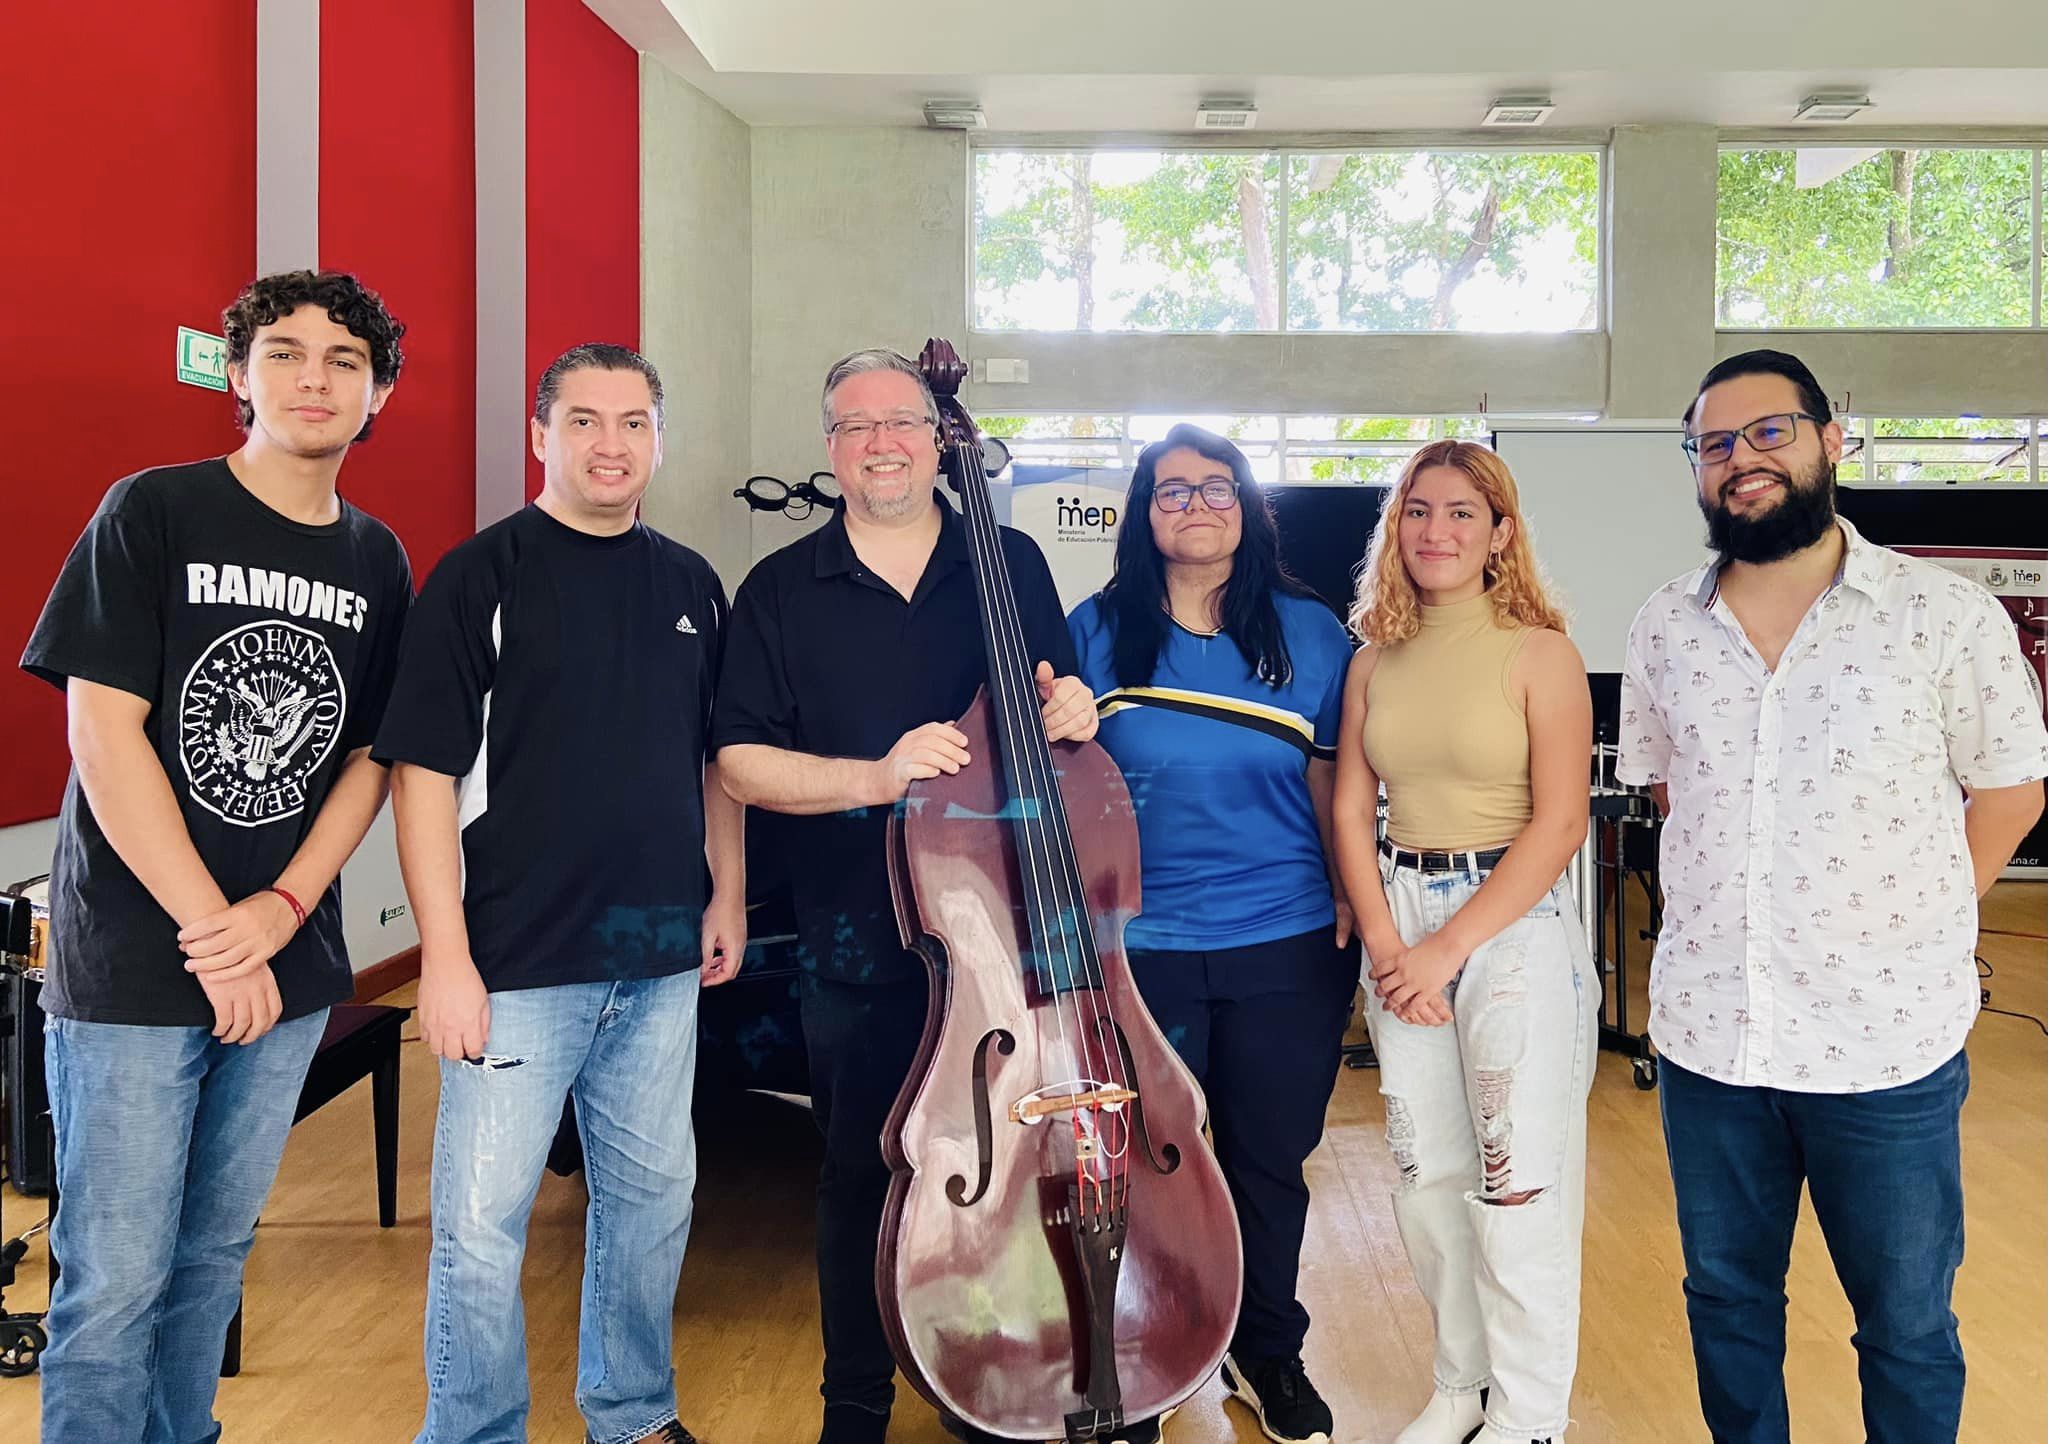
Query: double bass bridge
[1072, 1097]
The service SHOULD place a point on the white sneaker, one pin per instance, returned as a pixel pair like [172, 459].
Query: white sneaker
[1491, 1435]
[1446, 1419]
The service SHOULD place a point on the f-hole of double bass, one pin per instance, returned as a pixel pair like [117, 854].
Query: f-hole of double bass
[984, 1136]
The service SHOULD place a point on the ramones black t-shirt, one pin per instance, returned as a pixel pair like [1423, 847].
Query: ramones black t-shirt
[566, 680]
[265, 649]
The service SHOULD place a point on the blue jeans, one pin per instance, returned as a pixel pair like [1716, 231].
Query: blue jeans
[1886, 1173]
[627, 1052]
[167, 1144]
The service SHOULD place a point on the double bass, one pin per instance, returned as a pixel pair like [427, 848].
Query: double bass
[1059, 1254]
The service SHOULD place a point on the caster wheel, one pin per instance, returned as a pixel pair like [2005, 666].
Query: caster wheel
[1646, 1073]
[21, 1347]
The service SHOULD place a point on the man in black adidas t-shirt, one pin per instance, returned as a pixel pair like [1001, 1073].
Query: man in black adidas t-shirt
[225, 634]
[555, 820]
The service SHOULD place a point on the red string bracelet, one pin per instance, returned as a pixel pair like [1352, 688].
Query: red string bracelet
[292, 903]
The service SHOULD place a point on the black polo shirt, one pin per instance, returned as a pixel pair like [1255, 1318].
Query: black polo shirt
[825, 657]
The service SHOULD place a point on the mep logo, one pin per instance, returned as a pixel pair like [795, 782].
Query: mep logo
[1080, 514]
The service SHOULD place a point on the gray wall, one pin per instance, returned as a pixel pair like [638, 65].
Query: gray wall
[860, 239]
[696, 321]
[1660, 267]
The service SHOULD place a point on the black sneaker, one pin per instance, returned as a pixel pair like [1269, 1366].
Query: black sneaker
[1289, 1408]
[670, 1433]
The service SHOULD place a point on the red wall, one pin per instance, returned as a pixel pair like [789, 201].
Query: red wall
[120, 222]
[398, 207]
[582, 188]
[124, 221]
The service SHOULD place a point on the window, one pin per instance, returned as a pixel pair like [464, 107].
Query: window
[1239, 240]
[1443, 241]
[1368, 450]
[1843, 237]
[1258, 437]
[1926, 452]
[1063, 441]
[1340, 450]
[1124, 241]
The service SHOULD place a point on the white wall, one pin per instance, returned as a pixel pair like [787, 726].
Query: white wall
[25, 850]
[1582, 489]
[370, 889]
[370, 885]
[696, 315]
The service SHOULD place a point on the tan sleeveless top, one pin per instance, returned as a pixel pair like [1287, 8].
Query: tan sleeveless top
[1447, 735]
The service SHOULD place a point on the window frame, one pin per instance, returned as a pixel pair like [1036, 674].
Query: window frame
[1305, 447]
[1780, 140]
[1283, 148]
[1862, 429]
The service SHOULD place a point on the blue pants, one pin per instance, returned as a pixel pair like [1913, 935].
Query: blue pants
[1261, 1028]
[627, 1051]
[1886, 1173]
[168, 1141]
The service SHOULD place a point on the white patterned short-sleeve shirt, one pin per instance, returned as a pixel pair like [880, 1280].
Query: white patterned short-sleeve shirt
[1820, 913]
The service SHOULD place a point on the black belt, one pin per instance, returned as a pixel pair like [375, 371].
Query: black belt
[1485, 861]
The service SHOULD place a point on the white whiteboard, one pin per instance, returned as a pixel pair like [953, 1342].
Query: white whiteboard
[1612, 515]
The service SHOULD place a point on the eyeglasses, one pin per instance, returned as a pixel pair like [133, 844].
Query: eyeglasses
[895, 428]
[1175, 495]
[1766, 433]
[772, 493]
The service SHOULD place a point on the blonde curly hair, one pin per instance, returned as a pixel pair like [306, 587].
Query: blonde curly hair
[1387, 609]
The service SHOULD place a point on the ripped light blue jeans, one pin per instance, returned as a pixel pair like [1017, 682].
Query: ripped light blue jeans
[627, 1051]
[1491, 1106]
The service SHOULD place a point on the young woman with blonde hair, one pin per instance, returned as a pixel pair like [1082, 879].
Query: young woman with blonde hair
[1470, 704]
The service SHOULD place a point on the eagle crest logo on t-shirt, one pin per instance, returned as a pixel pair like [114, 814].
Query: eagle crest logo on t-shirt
[260, 711]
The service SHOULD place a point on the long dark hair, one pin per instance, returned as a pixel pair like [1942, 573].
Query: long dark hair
[1134, 601]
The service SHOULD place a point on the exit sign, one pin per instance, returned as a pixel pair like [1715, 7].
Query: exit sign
[202, 359]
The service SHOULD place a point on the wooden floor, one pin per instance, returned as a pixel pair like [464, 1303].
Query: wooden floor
[334, 1303]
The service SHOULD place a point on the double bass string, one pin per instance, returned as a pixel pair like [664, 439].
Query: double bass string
[1048, 825]
[1004, 638]
[1013, 687]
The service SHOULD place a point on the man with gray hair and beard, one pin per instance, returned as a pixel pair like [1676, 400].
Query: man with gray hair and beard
[1848, 747]
[851, 652]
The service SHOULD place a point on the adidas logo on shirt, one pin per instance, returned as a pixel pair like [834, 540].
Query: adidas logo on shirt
[685, 625]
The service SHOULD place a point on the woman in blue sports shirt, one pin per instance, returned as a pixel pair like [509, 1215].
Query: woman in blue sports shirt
[1220, 683]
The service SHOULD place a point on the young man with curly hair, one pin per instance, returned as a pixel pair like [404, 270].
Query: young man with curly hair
[225, 634]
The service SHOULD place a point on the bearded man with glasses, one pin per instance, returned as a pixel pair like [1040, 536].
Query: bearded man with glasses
[1848, 747]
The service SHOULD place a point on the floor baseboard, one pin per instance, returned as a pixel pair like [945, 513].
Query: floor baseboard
[388, 976]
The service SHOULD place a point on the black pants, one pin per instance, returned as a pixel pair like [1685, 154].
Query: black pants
[862, 1039]
[1261, 1028]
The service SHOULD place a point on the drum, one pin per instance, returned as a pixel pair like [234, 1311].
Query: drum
[24, 955]
[25, 926]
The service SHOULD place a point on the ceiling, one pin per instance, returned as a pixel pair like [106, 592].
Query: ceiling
[1345, 65]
